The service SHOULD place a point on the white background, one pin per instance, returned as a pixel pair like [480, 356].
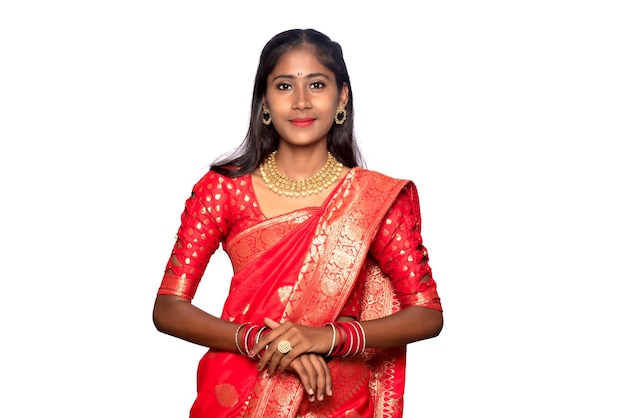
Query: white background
[509, 116]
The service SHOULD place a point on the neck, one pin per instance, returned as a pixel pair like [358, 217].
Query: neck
[282, 184]
[300, 163]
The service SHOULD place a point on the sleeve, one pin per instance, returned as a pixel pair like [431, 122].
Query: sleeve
[401, 254]
[202, 229]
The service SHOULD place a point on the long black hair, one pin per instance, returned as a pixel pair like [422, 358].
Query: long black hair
[261, 139]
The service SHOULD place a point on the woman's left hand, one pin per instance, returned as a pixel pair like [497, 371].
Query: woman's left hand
[285, 342]
[314, 375]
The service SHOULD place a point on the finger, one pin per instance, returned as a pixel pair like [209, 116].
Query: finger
[324, 380]
[294, 340]
[263, 343]
[288, 358]
[267, 338]
[271, 357]
[265, 358]
[274, 361]
[281, 360]
[271, 323]
[303, 367]
[329, 378]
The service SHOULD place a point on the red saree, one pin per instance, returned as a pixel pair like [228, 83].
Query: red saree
[305, 267]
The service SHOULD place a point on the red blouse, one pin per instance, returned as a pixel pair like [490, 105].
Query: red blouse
[220, 206]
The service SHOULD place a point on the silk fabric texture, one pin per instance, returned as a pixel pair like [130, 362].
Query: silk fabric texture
[308, 266]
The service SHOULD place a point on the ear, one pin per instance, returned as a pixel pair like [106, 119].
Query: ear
[343, 95]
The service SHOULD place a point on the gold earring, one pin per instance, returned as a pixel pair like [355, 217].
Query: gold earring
[340, 116]
[266, 116]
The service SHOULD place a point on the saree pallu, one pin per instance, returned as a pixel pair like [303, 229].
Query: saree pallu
[302, 267]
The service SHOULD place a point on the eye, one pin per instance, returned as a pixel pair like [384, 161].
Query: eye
[318, 85]
[283, 86]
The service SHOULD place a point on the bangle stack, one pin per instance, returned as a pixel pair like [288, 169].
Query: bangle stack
[249, 335]
[348, 339]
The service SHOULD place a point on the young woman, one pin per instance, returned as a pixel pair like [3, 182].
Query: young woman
[331, 279]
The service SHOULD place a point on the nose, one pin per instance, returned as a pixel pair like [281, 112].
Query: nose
[301, 99]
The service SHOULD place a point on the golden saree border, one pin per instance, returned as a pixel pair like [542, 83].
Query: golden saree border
[387, 366]
[244, 247]
[340, 246]
[329, 272]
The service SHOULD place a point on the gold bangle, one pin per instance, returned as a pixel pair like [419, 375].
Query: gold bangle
[237, 336]
[332, 345]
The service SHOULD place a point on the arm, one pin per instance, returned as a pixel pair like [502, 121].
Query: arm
[176, 316]
[199, 235]
[411, 324]
[398, 248]
[173, 313]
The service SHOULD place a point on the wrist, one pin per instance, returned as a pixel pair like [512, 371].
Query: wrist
[348, 339]
[247, 336]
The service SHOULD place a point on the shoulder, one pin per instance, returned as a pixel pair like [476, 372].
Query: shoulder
[402, 191]
[373, 178]
[213, 183]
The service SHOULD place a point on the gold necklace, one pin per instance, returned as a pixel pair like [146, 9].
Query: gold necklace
[286, 186]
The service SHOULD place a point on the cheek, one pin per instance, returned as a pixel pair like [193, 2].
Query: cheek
[279, 106]
[332, 111]
[328, 122]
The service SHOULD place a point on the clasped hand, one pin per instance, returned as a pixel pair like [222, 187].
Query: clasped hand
[305, 357]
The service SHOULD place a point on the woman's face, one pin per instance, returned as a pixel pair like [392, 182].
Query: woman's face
[302, 97]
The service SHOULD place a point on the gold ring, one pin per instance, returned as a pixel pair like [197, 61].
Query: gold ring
[284, 346]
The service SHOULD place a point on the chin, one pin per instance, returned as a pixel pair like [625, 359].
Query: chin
[302, 140]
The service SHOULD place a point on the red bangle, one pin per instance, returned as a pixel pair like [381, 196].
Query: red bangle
[351, 341]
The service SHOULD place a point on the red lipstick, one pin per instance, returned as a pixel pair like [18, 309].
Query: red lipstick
[302, 122]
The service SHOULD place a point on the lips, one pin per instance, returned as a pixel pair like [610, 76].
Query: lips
[302, 122]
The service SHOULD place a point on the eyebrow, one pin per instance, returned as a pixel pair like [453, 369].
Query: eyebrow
[293, 77]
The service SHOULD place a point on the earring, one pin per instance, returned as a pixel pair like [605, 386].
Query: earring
[266, 117]
[340, 116]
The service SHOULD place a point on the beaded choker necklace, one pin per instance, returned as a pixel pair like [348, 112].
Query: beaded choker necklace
[286, 186]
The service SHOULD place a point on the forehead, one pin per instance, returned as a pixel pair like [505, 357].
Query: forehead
[300, 60]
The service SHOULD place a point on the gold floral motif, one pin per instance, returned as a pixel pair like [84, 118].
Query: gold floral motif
[226, 395]
[284, 292]
[243, 247]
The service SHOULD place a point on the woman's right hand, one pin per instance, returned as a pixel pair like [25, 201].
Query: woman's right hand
[304, 359]
[314, 375]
